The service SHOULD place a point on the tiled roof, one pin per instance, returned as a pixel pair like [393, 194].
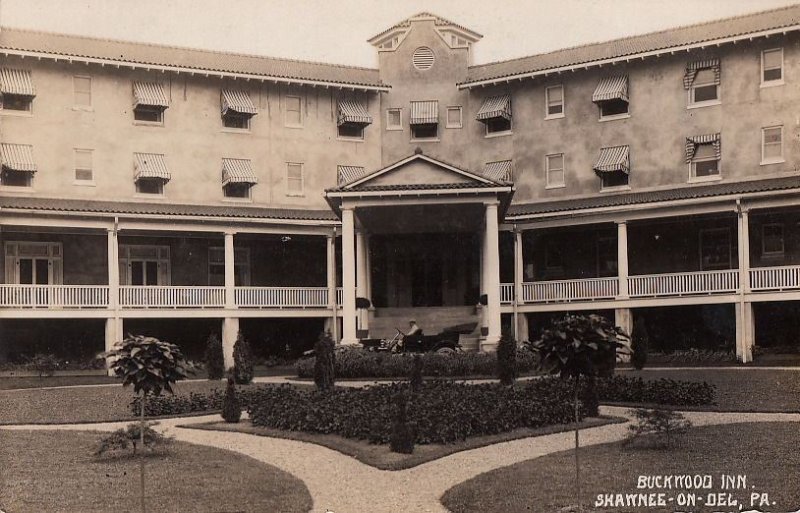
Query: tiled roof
[637, 198]
[417, 187]
[121, 208]
[673, 37]
[177, 57]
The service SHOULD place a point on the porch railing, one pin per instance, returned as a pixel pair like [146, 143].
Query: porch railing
[506, 293]
[131, 296]
[775, 278]
[570, 290]
[53, 296]
[282, 297]
[679, 284]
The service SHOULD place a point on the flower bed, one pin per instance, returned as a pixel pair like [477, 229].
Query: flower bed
[359, 363]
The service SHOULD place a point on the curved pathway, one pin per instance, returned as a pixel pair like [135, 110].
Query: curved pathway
[342, 484]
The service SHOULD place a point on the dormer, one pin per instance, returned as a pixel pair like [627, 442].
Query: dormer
[454, 35]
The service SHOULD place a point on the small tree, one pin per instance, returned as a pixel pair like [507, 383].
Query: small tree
[416, 374]
[151, 366]
[242, 361]
[130, 437]
[215, 361]
[507, 360]
[231, 409]
[641, 343]
[403, 435]
[324, 362]
[663, 425]
[575, 346]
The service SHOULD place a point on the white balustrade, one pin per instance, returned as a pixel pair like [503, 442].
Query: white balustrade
[171, 297]
[506, 293]
[53, 296]
[339, 296]
[570, 290]
[679, 284]
[775, 278]
[282, 297]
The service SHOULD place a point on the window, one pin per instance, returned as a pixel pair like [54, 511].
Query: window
[614, 179]
[236, 120]
[553, 257]
[554, 98]
[83, 166]
[426, 131]
[611, 108]
[149, 186]
[454, 117]
[705, 87]
[613, 166]
[772, 241]
[141, 265]
[148, 114]
[705, 162]
[715, 249]
[18, 165]
[294, 111]
[82, 89]
[33, 263]
[772, 145]
[498, 125]
[394, 119]
[351, 131]
[772, 66]
[216, 266]
[15, 178]
[16, 90]
[16, 102]
[236, 109]
[607, 255]
[554, 168]
[294, 179]
[424, 119]
[237, 190]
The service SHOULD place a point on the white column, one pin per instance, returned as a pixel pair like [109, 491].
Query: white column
[483, 312]
[348, 277]
[113, 334]
[330, 254]
[622, 258]
[520, 320]
[362, 278]
[623, 318]
[113, 328]
[230, 272]
[492, 280]
[230, 330]
[745, 322]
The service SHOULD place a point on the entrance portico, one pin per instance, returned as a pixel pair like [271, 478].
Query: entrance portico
[421, 233]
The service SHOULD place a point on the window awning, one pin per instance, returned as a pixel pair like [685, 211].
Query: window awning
[347, 174]
[495, 107]
[238, 171]
[16, 81]
[17, 157]
[150, 94]
[150, 165]
[614, 158]
[353, 111]
[611, 88]
[424, 113]
[238, 102]
[501, 171]
[693, 67]
[695, 140]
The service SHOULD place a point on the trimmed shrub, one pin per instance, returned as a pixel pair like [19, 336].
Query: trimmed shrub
[402, 437]
[44, 364]
[231, 409]
[355, 362]
[416, 374]
[324, 362]
[125, 438]
[641, 343]
[662, 426]
[215, 361]
[242, 361]
[624, 389]
[506, 360]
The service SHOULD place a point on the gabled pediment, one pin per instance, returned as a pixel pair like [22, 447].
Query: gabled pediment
[455, 35]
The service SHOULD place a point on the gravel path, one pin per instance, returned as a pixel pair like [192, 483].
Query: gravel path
[341, 484]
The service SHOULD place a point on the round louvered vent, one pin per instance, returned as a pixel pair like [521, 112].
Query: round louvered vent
[423, 58]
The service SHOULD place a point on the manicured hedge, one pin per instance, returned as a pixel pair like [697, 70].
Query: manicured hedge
[359, 363]
[625, 389]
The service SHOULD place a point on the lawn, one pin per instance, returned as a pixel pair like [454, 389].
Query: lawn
[56, 471]
[546, 483]
[379, 456]
[753, 389]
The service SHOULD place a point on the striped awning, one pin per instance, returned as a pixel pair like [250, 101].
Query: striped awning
[495, 107]
[16, 81]
[611, 88]
[347, 174]
[696, 140]
[237, 101]
[424, 113]
[150, 165]
[353, 111]
[238, 171]
[17, 157]
[614, 158]
[149, 93]
[500, 171]
[693, 67]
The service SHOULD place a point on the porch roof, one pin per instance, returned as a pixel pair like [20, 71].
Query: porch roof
[522, 210]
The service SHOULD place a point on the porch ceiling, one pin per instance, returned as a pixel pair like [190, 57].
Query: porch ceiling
[432, 218]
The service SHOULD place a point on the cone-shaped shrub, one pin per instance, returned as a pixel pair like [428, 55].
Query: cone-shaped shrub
[416, 374]
[231, 409]
[215, 363]
[403, 433]
[507, 360]
[641, 341]
[324, 362]
[242, 361]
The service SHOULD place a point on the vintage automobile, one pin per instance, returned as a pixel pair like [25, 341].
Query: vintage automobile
[446, 341]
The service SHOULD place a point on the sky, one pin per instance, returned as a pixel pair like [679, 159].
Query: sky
[336, 31]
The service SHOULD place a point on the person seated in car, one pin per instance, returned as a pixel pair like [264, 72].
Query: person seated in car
[413, 336]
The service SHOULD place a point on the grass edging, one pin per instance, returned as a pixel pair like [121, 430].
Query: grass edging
[380, 457]
[708, 408]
